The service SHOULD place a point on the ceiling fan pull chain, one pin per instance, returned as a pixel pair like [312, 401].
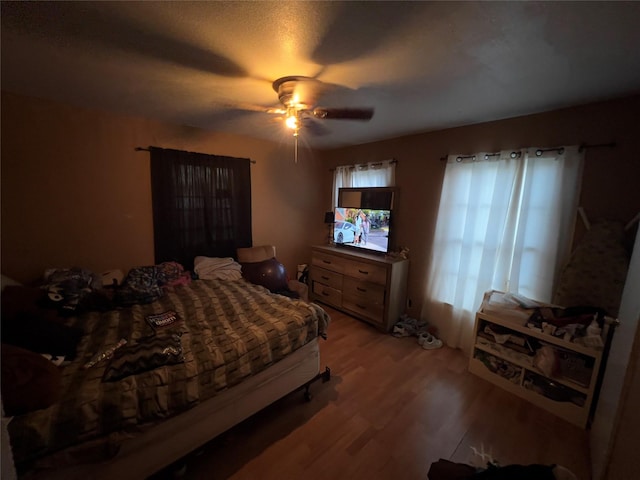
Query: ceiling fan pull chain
[296, 147]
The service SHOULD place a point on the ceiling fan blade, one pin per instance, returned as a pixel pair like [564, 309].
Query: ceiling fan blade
[314, 127]
[363, 114]
[252, 107]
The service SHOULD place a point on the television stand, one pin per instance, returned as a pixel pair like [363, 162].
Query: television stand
[370, 287]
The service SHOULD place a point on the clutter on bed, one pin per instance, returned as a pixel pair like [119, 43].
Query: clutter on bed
[171, 274]
[147, 354]
[163, 320]
[147, 284]
[67, 287]
[27, 323]
[214, 268]
[171, 345]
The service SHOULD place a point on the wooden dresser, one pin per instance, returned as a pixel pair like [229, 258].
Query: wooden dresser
[370, 287]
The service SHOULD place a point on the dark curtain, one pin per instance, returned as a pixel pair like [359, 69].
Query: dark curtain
[201, 205]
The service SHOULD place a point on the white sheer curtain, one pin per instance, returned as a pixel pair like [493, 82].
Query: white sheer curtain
[374, 174]
[505, 222]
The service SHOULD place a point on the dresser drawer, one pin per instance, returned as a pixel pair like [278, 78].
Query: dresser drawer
[360, 307]
[369, 293]
[364, 298]
[327, 294]
[366, 271]
[329, 262]
[327, 277]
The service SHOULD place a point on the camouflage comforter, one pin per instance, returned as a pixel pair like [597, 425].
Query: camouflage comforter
[230, 331]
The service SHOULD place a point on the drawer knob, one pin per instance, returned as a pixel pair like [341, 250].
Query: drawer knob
[327, 262]
[324, 278]
[361, 289]
[364, 272]
[361, 307]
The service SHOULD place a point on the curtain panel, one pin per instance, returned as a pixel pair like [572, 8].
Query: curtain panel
[373, 174]
[505, 222]
[201, 205]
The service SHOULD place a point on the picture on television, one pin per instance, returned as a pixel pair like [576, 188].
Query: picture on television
[362, 228]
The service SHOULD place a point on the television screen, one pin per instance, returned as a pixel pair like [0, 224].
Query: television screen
[362, 228]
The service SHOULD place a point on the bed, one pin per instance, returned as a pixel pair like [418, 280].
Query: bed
[242, 348]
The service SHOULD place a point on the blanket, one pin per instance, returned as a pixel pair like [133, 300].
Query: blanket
[229, 330]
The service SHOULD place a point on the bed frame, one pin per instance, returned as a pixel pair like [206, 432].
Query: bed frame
[162, 445]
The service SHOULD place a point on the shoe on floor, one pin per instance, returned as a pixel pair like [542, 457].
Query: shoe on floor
[429, 342]
[400, 330]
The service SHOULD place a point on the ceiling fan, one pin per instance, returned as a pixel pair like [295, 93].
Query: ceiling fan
[299, 95]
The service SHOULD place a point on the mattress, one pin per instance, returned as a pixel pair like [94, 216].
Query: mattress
[229, 331]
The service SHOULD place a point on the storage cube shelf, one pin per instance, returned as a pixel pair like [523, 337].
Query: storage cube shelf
[568, 394]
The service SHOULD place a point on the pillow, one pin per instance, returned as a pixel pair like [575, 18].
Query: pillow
[29, 381]
[270, 274]
[143, 356]
[6, 281]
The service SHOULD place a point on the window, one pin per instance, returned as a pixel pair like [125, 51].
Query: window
[380, 174]
[201, 205]
[505, 223]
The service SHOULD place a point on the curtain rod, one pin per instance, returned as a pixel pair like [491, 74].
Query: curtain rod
[538, 152]
[142, 149]
[596, 145]
[460, 158]
[373, 164]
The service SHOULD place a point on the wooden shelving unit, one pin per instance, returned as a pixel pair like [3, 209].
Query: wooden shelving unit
[568, 395]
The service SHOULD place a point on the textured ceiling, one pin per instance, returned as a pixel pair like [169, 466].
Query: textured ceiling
[422, 65]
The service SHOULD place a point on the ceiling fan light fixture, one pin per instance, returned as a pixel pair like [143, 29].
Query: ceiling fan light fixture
[298, 94]
[292, 121]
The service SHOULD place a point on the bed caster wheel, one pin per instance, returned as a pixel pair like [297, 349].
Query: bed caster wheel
[326, 375]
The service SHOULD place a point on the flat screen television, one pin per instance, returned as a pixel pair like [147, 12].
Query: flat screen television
[362, 228]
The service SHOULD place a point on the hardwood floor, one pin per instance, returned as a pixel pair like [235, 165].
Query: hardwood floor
[389, 411]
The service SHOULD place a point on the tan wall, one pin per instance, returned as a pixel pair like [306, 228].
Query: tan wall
[75, 192]
[610, 182]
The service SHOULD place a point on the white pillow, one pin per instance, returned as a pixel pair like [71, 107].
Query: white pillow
[5, 281]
